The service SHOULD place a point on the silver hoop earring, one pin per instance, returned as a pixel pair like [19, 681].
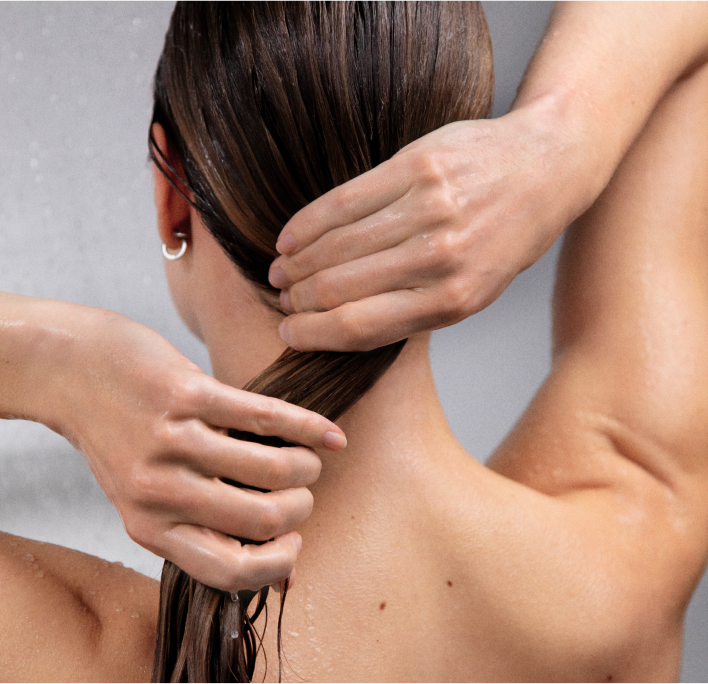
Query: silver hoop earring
[179, 254]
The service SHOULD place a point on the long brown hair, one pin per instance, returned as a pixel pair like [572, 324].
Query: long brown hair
[267, 106]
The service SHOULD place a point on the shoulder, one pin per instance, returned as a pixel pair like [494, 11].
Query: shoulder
[68, 616]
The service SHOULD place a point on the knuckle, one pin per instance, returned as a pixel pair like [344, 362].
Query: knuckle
[443, 253]
[270, 519]
[310, 425]
[142, 487]
[235, 574]
[186, 393]
[352, 332]
[450, 245]
[166, 439]
[278, 472]
[325, 294]
[441, 206]
[298, 266]
[456, 298]
[265, 415]
[298, 300]
[342, 197]
[426, 167]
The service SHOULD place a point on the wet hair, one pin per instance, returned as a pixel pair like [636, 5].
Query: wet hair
[267, 106]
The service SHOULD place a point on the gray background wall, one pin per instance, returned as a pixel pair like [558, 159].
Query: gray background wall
[77, 223]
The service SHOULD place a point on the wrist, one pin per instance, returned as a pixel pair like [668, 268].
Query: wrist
[41, 345]
[579, 152]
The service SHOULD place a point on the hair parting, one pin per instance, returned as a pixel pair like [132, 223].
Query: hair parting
[267, 106]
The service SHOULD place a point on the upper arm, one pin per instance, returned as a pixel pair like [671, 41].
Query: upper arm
[621, 424]
[67, 616]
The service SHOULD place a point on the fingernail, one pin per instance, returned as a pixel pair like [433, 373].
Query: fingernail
[335, 441]
[283, 330]
[286, 244]
[285, 301]
[277, 278]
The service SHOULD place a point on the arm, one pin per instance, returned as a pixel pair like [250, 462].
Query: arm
[152, 427]
[618, 435]
[588, 534]
[475, 202]
[70, 617]
[601, 68]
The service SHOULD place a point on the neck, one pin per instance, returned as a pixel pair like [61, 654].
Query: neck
[398, 422]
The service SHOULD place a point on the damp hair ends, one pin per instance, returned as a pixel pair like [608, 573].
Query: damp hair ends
[267, 106]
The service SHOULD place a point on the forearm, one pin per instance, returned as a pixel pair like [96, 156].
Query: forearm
[37, 339]
[602, 68]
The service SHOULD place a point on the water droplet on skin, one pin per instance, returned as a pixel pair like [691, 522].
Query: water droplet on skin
[131, 590]
[40, 574]
[295, 634]
[29, 557]
[234, 634]
[118, 610]
[134, 615]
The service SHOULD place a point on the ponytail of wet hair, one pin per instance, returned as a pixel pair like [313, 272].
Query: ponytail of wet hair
[267, 106]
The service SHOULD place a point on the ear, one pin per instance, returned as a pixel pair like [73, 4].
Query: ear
[173, 210]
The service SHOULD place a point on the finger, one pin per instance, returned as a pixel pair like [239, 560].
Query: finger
[375, 233]
[227, 407]
[369, 323]
[410, 265]
[236, 511]
[256, 465]
[347, 203]
[223, 563]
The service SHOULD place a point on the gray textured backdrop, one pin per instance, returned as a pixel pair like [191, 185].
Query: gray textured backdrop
[77, 223]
